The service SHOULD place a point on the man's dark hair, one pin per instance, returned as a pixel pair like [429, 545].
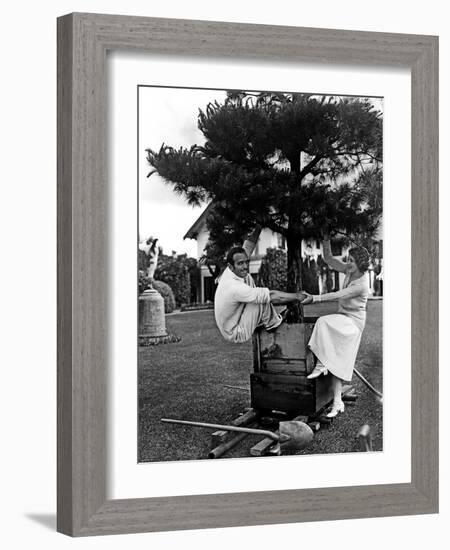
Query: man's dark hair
[232, 252]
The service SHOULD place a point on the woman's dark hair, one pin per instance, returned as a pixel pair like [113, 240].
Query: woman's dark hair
[232, 252]
[361, 257]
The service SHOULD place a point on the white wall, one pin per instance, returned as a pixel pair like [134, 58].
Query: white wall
[28, 232]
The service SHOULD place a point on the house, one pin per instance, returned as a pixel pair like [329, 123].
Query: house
[311, 249]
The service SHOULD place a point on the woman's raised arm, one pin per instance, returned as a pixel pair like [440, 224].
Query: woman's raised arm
[251, 240]
[333, 262]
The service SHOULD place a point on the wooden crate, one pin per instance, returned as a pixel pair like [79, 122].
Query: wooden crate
[281, 362]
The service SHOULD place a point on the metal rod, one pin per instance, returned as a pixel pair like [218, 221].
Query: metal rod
[266, 433]
[368, 384]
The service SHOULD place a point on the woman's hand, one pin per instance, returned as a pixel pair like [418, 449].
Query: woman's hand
[308, 299]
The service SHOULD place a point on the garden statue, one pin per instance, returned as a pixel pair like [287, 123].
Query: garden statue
[148, 246]
[152, 322]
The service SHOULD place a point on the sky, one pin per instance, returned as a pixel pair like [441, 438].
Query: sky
[169, 116]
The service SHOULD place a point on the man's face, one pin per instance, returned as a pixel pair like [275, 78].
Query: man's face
[240, 265]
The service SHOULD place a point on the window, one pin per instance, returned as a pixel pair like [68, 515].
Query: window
[336, 248]
[281, 241]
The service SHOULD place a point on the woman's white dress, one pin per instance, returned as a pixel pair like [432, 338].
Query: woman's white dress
[335, 339]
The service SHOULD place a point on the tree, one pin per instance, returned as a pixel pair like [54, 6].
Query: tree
[285, 161]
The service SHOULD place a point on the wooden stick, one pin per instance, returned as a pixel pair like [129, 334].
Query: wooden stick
[218, 437]
[364, 438]
[221, 449]
[261, 448]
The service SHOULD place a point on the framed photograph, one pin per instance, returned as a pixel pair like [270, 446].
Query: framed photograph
[205, 377]
[159, 123]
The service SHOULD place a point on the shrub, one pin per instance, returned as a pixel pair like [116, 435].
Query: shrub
[174, 270]
[144, 282]
[273, 271]
[142, 261]
[166, 292]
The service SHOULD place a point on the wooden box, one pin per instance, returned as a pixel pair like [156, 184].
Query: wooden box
[281, 362]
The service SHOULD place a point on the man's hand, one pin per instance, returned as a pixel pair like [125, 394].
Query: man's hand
[307, 300]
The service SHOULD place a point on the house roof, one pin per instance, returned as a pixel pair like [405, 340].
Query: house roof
[195, 228]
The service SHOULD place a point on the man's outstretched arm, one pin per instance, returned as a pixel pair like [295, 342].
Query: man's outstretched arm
[279, 297]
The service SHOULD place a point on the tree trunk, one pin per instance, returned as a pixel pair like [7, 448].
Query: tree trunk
[294, 276]
[295, 162]
[294, 248]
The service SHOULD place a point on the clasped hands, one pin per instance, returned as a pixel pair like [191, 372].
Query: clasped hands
[306, 298]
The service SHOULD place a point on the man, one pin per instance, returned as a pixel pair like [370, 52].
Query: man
[240, 306]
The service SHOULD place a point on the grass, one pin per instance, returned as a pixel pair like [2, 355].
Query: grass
[187, 380]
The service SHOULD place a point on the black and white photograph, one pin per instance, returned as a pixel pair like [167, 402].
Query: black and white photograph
[260, 273]
[222, 281]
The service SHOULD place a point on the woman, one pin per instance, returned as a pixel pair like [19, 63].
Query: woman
[335, 339]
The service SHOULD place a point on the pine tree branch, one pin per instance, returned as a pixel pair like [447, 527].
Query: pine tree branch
[271, 224]
[307, 169]
[357, 154]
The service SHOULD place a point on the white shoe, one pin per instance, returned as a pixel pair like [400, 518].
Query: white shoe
[319, 369]
[336, 409]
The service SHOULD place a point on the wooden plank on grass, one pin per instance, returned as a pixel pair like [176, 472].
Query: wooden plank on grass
[219, 436]
[261, 448]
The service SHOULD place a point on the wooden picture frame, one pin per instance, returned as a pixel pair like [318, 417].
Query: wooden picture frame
[83, 41]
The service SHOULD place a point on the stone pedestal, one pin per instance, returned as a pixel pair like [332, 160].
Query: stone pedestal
[152, 321]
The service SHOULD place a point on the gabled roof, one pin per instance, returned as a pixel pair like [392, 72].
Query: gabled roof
[194, 230]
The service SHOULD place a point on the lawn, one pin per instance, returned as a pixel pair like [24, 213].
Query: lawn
[188, 380]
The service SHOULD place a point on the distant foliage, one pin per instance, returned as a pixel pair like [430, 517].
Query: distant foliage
[163, 288]
[144, 282]
[175, 271]
[273, 271]
[142, 261]
[194, 279]
[166, 292]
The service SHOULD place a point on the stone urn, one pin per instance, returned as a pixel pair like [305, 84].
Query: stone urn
[152, 321]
